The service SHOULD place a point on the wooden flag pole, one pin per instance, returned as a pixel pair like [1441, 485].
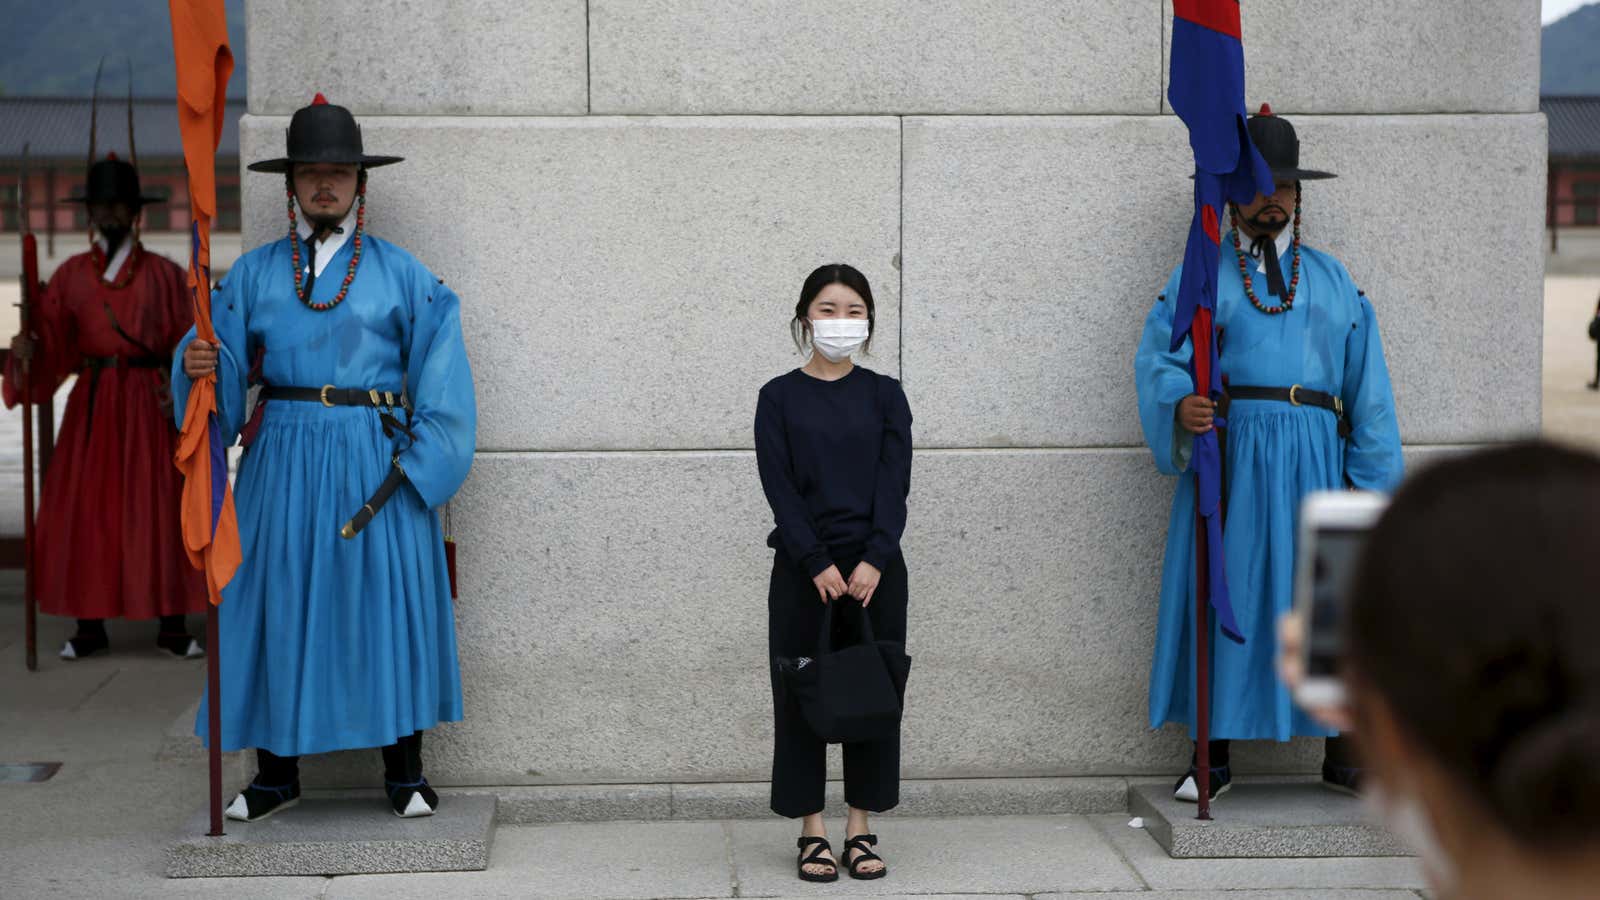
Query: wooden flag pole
[30, 287]
[214, 716]
[1202, 666]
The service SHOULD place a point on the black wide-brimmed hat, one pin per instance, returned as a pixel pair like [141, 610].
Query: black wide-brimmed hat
[323, 133]
[1275, 138]
[113, 180]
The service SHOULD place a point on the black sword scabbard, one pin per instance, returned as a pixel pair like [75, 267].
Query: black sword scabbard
[363, 516]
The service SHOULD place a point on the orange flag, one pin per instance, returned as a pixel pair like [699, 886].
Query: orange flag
[210, 526]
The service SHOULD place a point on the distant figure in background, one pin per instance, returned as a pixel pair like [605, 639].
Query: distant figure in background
[108, 542]
[1472, 673]
[1594, 335]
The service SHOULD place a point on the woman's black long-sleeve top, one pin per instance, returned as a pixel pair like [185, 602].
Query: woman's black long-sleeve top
[835, 463]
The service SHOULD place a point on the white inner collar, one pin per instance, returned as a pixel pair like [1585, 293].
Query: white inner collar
[328, 247]
[120, 259]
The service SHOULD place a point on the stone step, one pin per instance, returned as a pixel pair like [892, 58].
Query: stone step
[339, 836]
[1266, 820]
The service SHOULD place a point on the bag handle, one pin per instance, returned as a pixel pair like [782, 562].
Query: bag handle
[825, 638]
[866, 623]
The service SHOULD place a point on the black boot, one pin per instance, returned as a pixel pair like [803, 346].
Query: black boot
[1187, 789]
[90, 639]
[173, 636]
[409, 794]
[1341, 769]
[276, 787]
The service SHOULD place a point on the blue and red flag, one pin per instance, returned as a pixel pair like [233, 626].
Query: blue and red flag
[204, 64]
[1206, 89]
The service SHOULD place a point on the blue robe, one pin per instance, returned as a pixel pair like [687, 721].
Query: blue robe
[1276, 454]
[327, 643]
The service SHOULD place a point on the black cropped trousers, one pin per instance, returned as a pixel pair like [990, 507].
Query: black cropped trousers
[799, 757]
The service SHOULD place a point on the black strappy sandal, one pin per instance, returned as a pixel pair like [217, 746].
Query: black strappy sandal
[815, 858]
[863, 844]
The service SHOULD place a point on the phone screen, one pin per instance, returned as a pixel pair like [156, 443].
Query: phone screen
[1337, 550]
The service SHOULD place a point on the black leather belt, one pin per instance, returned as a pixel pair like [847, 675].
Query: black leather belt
[1296, 396]
[98, 363]
[384, 401]
[329, 395]
[94, 365]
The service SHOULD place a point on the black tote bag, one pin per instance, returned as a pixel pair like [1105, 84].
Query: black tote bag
[851, 694]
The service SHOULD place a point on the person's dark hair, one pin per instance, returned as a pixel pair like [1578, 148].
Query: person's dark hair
[832, 273]
[1473, 616]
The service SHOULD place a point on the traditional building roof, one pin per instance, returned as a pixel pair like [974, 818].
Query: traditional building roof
[1574, 127]
[58, 128]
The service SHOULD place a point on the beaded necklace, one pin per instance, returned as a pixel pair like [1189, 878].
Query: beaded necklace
[355, 256]
[1294, 272]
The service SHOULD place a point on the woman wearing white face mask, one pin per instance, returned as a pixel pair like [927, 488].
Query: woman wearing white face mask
[1474, 675]
[833, 445]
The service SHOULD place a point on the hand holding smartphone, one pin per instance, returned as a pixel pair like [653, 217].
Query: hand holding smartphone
[1333, 529]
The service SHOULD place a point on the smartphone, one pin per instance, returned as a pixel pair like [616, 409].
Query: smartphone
[1333, 529]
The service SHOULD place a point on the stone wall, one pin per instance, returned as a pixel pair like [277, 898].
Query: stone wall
[627, 194]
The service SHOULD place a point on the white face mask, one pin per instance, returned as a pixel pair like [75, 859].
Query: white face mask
[1407, 819]
[837, 339]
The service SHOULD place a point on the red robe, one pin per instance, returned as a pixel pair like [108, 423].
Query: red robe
[107, 542]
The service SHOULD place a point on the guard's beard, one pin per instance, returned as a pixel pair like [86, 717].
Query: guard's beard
[114, 236]
[321, 225]
[1269, 221]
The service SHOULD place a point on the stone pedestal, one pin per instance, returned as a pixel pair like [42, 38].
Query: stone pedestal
[1272, 820]
[339, 836]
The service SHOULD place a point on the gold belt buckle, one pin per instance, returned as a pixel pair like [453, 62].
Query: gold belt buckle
[325, 401]
[1338, 406]
[372, 393]
[1294, 400]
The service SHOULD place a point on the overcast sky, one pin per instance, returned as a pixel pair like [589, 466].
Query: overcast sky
[1555, 9]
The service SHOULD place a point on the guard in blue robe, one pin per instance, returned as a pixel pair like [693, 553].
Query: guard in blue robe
[1311, 409]
[330, 641]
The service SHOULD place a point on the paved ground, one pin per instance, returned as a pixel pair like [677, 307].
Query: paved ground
[98, 828]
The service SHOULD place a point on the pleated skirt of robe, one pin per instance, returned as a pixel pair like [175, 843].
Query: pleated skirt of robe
[328, 643]
[1276, 455]
[107, 543]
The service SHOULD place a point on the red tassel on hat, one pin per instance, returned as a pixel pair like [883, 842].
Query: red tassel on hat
[319, 100]
[112, 156]
[1266, 108]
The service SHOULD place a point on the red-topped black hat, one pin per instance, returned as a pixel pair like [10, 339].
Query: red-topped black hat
[1275, 138]
[323, 133]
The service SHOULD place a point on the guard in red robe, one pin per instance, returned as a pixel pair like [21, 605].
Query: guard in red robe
[108, 543]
